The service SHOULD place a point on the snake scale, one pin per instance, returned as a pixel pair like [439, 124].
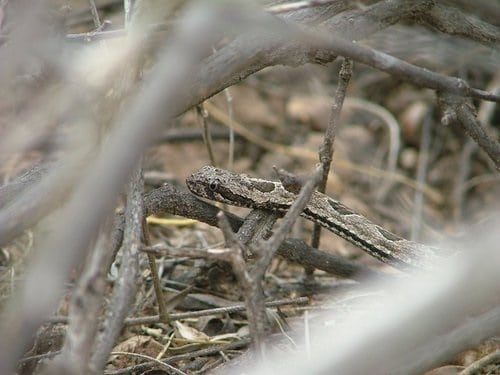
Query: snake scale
[245, 191]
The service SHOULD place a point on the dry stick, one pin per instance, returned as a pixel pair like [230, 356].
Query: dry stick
[160, 298]
[217, 132]
[196, 354]
[267, 250]
[326, 149]
[251, 280]
[306, 45]
[456, 109]
[229, 100]
[95, 14]
[154, 360]
[257, 225]
[451, 20]
[126, 285]
[127, 12]
[484, 115]
[423, 161]
[269, 247]
[251, 288]
[85, 310]
[398, 68]
[207, 136]
[190, 314]
[259, 52]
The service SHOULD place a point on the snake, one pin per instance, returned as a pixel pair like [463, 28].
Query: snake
[239, 189]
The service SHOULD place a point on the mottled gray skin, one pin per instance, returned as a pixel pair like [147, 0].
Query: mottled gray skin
[241, 190]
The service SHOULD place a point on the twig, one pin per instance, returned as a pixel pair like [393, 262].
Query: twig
[327, 148]
[207, 136]
[172, 359]
[38, 357]
[84, 311]
[95, 14]
[268, 248]
[450, 20]
[160, 298]
[456, 109]
[251, 287]
[256, 226]
[250, 280]
[193, 314]
[127, 12]
[230, 110]
[126, 285]
[310, 46]
[423, 161]
[151, 359]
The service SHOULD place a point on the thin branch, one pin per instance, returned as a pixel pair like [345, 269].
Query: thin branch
[327, 148]
[423, 164]
[175, 358]
[151, 359]
[191, 314]
[126, 285]
[95, 14]
[160, 298]
[207, 135]
[268, 248]
[84, 311]
[457, 110]
[452, 21]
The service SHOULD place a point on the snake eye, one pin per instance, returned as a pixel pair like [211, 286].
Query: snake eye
[212, 186]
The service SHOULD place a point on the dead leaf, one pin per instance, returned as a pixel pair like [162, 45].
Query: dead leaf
[190, 334]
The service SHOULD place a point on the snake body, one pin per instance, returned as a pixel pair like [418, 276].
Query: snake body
[245, 191]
